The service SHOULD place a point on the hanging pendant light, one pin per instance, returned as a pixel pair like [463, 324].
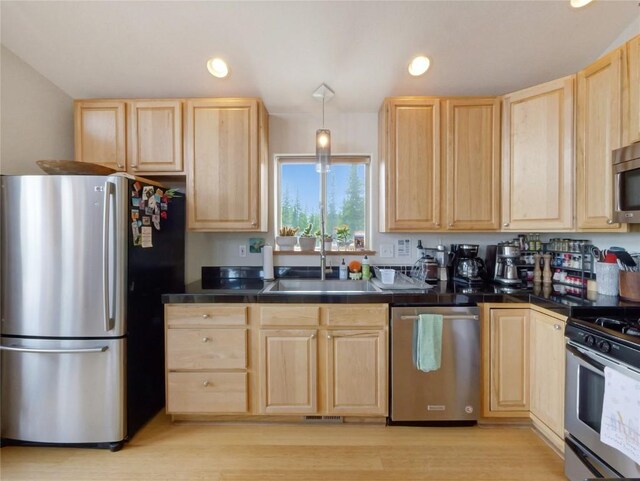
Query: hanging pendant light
[323, 136]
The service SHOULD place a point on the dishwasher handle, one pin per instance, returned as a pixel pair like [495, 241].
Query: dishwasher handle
[444, 317]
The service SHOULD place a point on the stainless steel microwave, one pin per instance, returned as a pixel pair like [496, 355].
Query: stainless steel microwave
[626, 183]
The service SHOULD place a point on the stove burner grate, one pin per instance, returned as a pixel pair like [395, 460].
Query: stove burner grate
[611, 323]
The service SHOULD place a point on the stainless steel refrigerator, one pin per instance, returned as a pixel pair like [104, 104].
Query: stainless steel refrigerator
[85, 260]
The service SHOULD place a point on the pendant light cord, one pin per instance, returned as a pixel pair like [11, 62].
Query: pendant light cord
[323, 112]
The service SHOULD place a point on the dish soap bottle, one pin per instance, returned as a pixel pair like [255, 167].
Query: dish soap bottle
[343, 271]
[366, 269]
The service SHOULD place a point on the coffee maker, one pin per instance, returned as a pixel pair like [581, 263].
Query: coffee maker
[467, 268]
[508, 263]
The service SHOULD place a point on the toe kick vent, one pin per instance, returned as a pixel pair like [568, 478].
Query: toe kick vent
[323, 419]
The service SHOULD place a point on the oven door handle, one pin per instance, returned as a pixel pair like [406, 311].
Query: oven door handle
[585, 359]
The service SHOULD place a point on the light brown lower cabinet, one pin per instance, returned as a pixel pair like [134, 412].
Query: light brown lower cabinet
[547, 375]
[327, 370]
[206, 355]
[524, 366]
[276, 359]
[506, 362]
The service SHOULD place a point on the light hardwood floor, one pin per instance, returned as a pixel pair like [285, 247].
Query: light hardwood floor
[234, 452]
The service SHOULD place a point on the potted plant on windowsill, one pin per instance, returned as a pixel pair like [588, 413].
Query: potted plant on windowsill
[328, 240]
[342, 234]
[287, 239]
[307, 241]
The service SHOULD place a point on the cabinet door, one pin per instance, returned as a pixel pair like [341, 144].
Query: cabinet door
[100, 133]
[155, 137]
[509, 362]
[226, 172]
[547, 371]
[410, 164]
[633, 91]
[472, 164]
[288, 377]
[356, 372]
[598, 133]
[537, 158]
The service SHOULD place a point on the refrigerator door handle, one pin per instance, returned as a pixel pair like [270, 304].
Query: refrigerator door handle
[55, 351]
[106, 298]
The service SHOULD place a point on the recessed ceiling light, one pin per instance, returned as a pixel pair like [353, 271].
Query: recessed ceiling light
[418, 66]
[217, 67]
[580, 3]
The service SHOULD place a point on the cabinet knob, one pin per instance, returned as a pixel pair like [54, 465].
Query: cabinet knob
[609, 221]
[254, 223]
[506, 224]
[205, 339]
[328, 336]
[205, 316]
[450, 224]
[205, 384]
[557, 327]
[313, 336]
[437, 224]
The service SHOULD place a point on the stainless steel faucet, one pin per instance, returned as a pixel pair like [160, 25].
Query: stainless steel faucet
[323, 251]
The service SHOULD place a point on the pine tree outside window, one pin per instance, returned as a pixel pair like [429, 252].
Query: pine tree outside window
[344, 192]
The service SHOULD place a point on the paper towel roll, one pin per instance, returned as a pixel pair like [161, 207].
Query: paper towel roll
[267, 263]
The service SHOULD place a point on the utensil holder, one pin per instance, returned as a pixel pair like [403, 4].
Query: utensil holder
[607, 277]
[630, 286]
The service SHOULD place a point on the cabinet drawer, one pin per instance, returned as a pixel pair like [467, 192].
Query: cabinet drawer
[357, 315]
[207, 392]
[286, 315]
[206, 349]
[205, 315]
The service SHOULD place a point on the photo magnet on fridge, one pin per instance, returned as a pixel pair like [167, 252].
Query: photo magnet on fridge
[135, 201]
[146, 220]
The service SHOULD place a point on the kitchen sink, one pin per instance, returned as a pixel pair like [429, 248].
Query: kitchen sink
[317, 286]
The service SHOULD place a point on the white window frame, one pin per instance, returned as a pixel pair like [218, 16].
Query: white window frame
[364, 159]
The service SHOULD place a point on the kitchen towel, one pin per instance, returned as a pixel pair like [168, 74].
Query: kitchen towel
[428, 345]
[620, 413]
[267, 263]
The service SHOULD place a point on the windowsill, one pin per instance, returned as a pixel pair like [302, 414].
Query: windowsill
[296, 252]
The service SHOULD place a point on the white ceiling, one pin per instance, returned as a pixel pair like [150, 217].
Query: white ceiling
[282, 51]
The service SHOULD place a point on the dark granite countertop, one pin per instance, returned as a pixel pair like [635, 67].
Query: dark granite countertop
[441, 294]
[244, 285]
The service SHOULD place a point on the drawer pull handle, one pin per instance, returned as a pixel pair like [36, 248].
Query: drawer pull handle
[506, 224]
[205, 384]
[205, 316]
[205, 339]
[556, 327]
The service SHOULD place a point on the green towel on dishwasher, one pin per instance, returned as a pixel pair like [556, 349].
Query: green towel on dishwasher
[428, 342]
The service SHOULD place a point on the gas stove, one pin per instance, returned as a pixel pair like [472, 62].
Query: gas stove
[612, 332]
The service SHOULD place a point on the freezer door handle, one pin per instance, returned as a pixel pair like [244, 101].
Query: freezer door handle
[54, 351]
[108, 321]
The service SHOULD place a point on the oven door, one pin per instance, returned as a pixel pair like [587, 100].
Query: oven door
[584, 395]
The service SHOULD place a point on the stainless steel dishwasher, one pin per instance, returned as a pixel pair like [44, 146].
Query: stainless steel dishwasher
[448, 394]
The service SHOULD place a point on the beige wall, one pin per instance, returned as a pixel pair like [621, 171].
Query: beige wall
[36, 118]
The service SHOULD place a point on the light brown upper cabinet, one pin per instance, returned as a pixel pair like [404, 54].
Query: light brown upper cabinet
[598, 132]
[226, 152]
[632, 99]
[155, 137]
[136, 136]
[409, 154]
[471, 153]
[439, 164]
[100, 133]
[537, 158]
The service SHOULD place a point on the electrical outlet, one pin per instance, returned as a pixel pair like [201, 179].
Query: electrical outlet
[386, 250]
[242, 250]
